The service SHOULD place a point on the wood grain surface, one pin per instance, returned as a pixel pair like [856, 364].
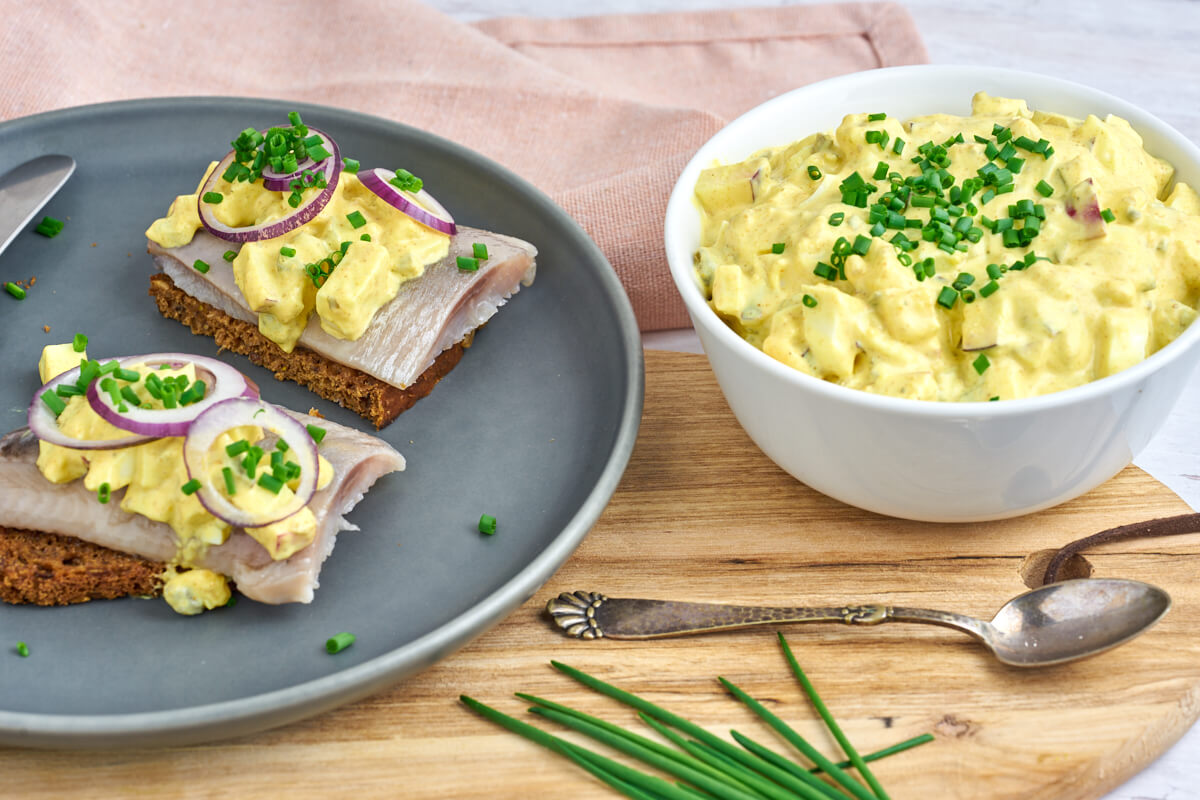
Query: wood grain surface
[702, 515]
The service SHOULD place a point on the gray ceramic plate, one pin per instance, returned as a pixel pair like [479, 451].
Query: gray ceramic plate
[534, 426]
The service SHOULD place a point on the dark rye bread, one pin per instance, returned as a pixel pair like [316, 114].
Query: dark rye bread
[47, 569]
[363, 394]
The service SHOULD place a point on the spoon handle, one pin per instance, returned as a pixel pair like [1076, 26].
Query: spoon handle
[591, 615]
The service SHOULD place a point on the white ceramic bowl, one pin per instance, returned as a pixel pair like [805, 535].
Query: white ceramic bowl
[940, 462]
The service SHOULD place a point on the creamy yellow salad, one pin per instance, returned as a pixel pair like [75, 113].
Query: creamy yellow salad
[1005, 254]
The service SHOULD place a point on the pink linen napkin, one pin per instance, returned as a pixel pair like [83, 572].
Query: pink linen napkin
[601, 113]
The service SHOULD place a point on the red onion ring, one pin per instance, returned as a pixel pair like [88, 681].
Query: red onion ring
[44, 424]
[233, 413]
[223, 382]
[421, 206]
[270, 230]
[282, 182]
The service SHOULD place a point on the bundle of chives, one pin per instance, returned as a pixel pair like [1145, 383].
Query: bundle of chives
[710, 766]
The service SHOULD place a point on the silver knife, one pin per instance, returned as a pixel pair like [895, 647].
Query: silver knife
[24, 189]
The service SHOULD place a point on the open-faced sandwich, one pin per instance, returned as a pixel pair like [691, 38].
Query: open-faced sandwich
[167, 472]
[355, 282]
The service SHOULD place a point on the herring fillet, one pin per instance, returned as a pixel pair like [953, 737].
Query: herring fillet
[28, 500]
[428, 314]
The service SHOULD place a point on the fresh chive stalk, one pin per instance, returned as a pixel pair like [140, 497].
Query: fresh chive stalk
[581, 755]
[679, 723]
[685, 771]
[800, 743]
[831, 723]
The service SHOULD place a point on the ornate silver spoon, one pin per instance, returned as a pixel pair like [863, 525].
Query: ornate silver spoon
[1053, 624]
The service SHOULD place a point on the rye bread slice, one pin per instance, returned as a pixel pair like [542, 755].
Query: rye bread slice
[363, 394]
[47, 569]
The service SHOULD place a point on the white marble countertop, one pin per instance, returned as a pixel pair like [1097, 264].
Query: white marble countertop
[1147, 52]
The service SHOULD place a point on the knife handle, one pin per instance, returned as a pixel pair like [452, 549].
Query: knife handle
[591, 615]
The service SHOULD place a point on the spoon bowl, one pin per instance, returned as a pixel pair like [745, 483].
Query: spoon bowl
[1065, 621]
[1052, 624]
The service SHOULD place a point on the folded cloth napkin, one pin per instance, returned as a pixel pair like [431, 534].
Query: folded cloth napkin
[602, 113]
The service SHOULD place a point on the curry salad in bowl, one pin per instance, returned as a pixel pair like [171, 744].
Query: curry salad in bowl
[1005, 254]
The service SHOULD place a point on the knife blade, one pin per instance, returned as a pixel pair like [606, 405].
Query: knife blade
[24, 189]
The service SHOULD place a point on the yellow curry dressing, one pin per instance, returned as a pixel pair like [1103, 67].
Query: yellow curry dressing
[388, 250]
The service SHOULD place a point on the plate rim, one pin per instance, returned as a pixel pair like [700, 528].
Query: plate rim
[257, 712]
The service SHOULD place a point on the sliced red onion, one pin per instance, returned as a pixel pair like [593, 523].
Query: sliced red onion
[421, 206]
[282, 182]
[331, 169]
[232, 414]
[44, 423]
[222, 381]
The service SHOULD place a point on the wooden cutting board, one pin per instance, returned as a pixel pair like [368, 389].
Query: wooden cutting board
[702, 515]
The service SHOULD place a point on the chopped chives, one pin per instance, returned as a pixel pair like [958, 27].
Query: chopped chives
[68, 390]
[281, 446]
[406, 181]
[287, 252]
[898, 146]
[22, 650]
[876, 117]
[825, 271]
[14, 290]
[79, 343]
[49, 227]
[270, 482]
[1108, 215]
[54, 402]
[356, 219]
[487, 524]
[213, 197]
[339, 642]
[130, 396]
[350, 165]
[467, 264]
[127, 375]
[809, 301]
[104, 494]
[947, 297]
[200, 266]
[862, 245]
[836, 218]
[993, 399]
[366, 237]
[981, 364]
[881, 171]
[193, 394]
[191, 487]
[229, 255]
[230, 486]
[989, 288]
[778, 247]
[317, 433]
[814, 172]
